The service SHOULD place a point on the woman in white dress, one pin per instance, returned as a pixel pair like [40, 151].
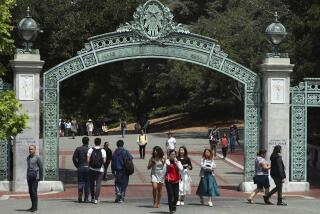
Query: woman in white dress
[185, 180]
[158, 171]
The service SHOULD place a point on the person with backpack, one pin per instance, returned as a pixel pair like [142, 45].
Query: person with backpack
[96, 157]
[121, 167]
[142, 142]
[79, 159]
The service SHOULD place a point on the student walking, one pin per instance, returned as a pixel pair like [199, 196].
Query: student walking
[108, 160]
[224, 145]
[214, 140]
[158, 171]
[80, 161]
[118, 168]
[233, 138]
[172, 178]
[142, 142]
[261, 175]
[208, 184]
[74, 128]
[185, 179]
[170, 143]
[90, 127]
[96, 157]
[123, 127]
[278, 174]
[34, 175]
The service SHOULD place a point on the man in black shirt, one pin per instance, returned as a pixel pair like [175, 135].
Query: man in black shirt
[109, 158]
[278, 174]
[80, 162]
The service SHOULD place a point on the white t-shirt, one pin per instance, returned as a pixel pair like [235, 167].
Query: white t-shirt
[258, 166]
[68, 125]
[171, 142]
[104, 156]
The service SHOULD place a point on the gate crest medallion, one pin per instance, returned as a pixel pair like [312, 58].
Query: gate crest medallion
[153, 21]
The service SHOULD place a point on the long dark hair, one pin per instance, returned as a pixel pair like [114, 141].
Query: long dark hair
[157, 150]
[204, 154]
[276, 149]
[185, 152]
[262, 152]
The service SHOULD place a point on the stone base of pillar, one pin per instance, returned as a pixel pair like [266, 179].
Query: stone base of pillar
[44, 186]
[287, 187]
[51, 186]
[5, 186]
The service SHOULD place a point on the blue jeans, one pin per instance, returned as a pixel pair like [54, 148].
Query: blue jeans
[83, 181]
[232, 143]
[123, 132]
[121, 182]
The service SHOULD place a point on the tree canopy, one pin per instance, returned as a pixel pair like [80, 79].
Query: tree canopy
[144, 87]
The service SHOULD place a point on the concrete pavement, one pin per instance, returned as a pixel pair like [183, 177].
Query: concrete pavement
[222, 205]
[229, 174]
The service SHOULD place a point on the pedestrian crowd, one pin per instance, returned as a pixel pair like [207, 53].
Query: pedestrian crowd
[170, 169]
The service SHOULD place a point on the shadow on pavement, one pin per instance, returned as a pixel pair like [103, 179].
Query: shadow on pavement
[68, 176]
[234, 173]
[21, 210]
[145, 206]
[182, 135]
[160, 212]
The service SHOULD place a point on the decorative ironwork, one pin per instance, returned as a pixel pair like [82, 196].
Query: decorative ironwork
[4, 144]
[304, 95]
[153, 21]
[159, 37]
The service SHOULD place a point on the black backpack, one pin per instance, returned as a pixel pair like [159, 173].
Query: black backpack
[96, 160]
[128, 165]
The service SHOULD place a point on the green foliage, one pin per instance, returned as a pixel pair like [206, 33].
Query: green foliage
[136, 88]
[11, 122]
[6, 41]
[304, 42]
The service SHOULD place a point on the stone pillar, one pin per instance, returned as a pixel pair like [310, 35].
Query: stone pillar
[27, 68]
[276, 113]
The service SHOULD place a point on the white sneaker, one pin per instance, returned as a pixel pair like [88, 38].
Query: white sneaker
[95, 201]
[182, 203]
[178, 203]
[210, 203]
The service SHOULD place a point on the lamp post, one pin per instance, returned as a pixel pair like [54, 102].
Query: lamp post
[28, 30]
[276, 33]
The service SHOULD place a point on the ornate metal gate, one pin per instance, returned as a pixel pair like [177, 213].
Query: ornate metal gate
[152, 34]
[304, 95]
[4, 144]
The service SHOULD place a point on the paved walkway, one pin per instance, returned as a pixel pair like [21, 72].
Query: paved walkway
[222, 205]
[229, 174]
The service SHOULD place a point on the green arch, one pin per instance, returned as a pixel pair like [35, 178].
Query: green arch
[138, 40]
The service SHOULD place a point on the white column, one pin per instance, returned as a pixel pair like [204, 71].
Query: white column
[276, 113]
[27, 68]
